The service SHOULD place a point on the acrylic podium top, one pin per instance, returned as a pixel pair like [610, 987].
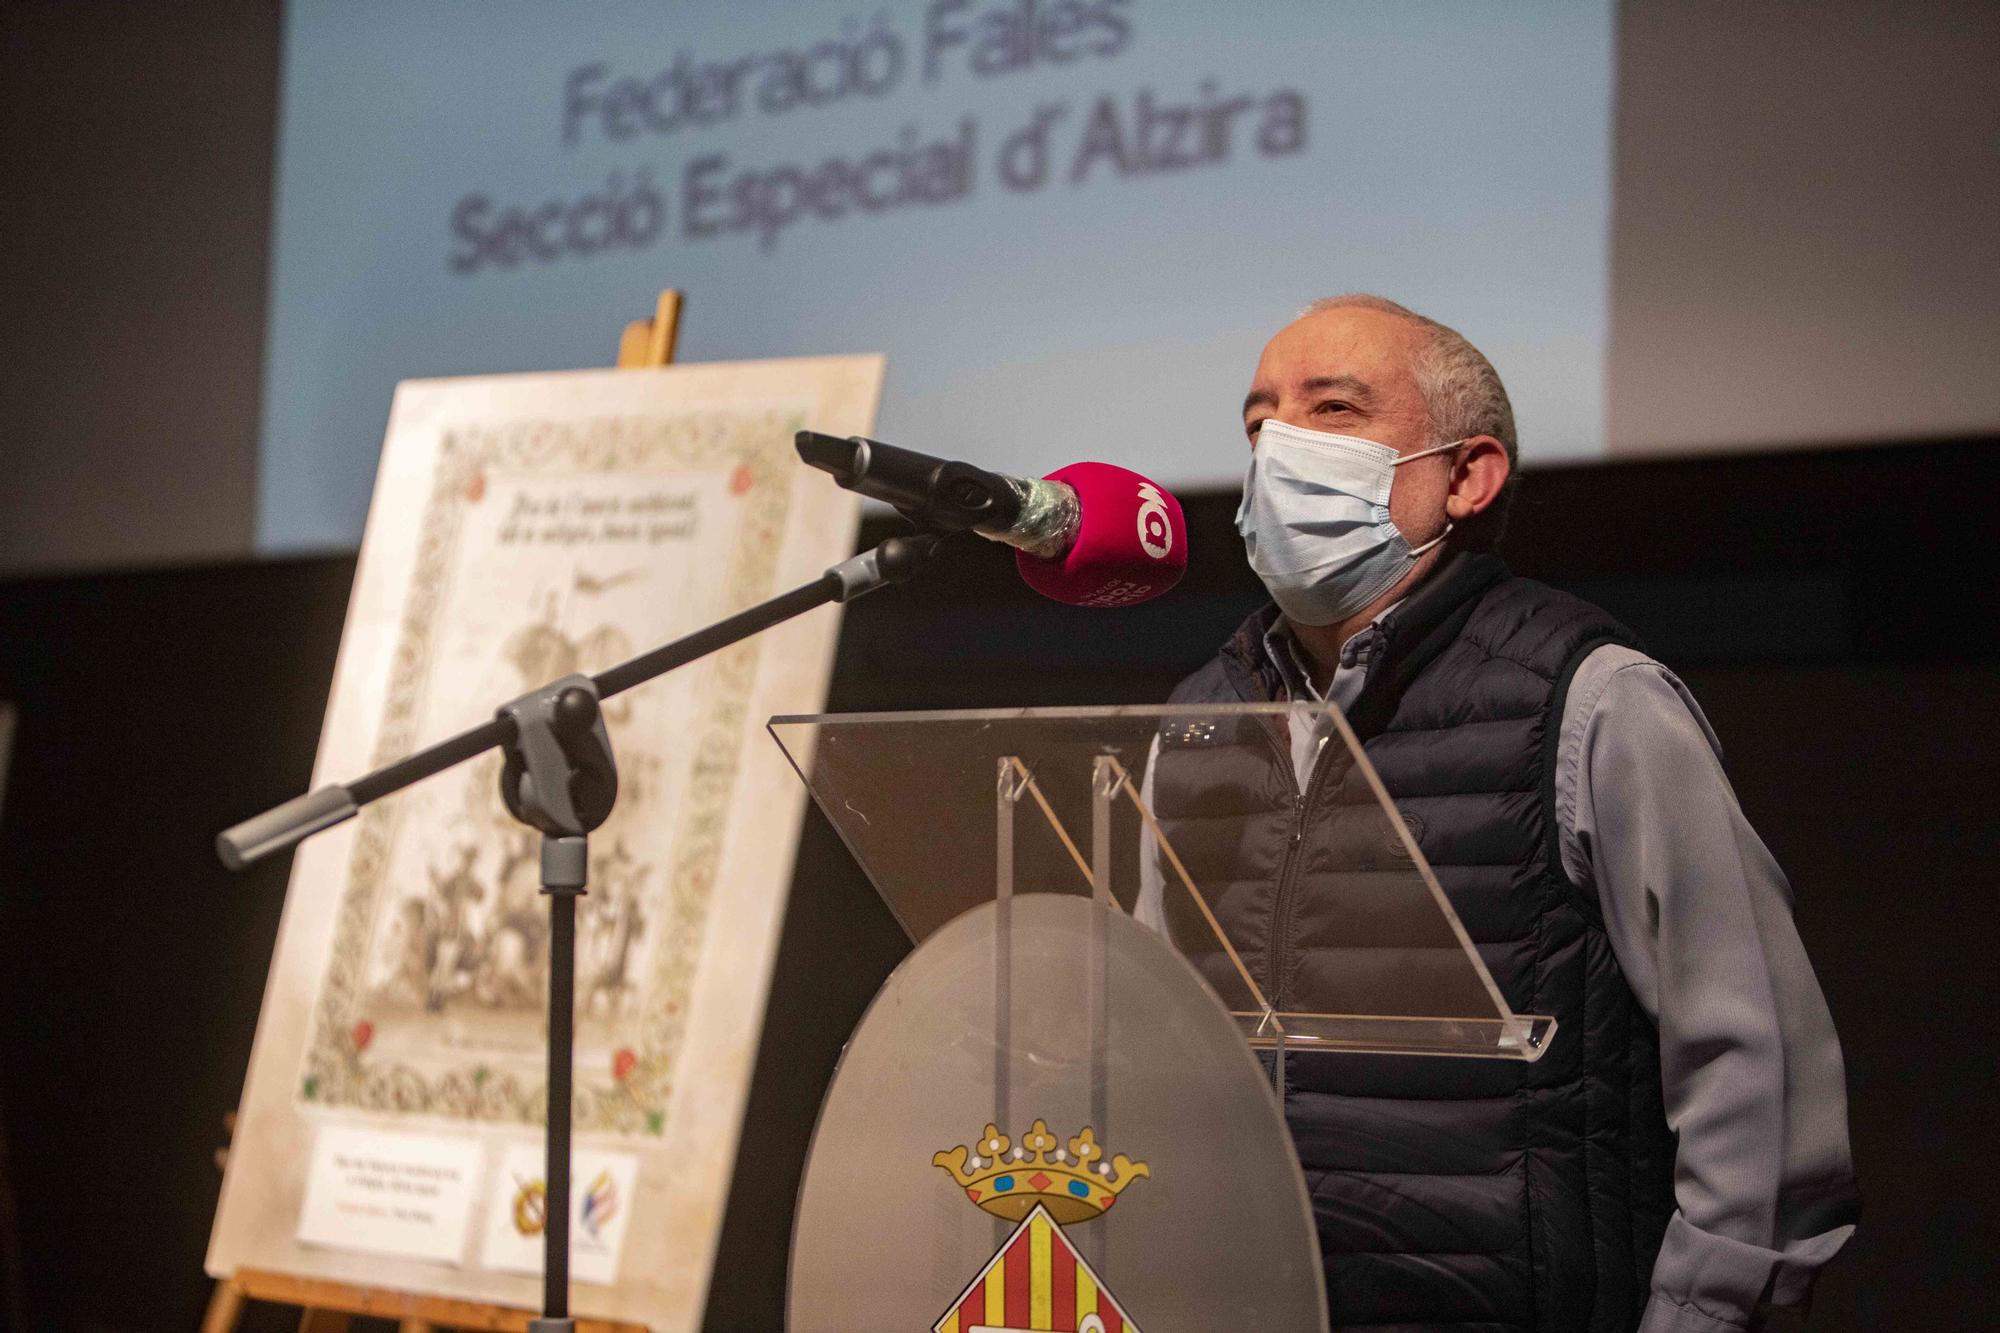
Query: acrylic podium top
[1192, 819]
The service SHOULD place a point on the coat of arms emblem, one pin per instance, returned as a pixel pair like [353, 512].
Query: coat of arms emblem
[1036, 1282]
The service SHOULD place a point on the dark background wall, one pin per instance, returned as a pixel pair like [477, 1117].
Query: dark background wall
[1802, 245]
[135, 216]
[1829, 607]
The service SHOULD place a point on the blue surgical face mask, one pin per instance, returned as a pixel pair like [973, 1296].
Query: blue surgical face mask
[1315, 521]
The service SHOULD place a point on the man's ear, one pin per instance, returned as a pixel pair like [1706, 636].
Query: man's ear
[1478, 474]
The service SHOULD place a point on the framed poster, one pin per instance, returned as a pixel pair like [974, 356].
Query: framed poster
[524, 527]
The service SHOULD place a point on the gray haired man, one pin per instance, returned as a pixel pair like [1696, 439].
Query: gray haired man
[1678, 1161]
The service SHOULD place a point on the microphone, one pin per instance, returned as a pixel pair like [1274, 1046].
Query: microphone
[1090, 534]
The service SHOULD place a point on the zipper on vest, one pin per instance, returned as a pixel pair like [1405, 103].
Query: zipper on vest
[1288, 864]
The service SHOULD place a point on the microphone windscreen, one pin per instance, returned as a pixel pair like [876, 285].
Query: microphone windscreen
[1131, 541]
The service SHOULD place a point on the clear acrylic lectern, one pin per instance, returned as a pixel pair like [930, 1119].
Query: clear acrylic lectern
[1184, 817]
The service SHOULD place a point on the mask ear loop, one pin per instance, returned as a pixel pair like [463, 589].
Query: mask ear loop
[1426, 453]
[1448, 524]
[1419, 550]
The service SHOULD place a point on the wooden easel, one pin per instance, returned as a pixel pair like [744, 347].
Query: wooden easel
[648, 344]
[326, 1307]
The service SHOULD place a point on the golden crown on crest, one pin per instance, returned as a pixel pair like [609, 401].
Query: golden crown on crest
[1072, 1181]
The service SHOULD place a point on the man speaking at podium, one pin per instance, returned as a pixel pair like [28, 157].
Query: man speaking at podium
[1678, 1160]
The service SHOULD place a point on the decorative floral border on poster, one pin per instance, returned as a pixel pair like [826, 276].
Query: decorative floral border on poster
[632, 1094]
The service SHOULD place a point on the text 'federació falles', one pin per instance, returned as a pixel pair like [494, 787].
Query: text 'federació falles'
[711, 194]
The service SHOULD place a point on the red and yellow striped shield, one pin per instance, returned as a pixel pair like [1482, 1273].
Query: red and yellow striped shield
[1035, 1283]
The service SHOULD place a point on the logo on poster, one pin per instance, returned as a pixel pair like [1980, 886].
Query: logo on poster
[531, 1206]
[600, 1204]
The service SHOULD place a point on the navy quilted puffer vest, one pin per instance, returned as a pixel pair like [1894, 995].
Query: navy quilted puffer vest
[1453, 1194]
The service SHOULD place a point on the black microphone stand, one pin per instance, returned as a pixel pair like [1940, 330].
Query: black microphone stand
[559, 778]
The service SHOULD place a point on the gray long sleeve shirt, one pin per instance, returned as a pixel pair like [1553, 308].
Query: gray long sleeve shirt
[1700, 918]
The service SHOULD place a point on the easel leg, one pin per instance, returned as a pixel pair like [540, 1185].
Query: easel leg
[225, 1307]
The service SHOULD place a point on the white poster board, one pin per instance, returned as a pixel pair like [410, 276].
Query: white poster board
[524, 527]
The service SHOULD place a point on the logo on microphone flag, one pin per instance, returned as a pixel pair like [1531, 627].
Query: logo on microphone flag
[1036, 1282]
[1156, 530]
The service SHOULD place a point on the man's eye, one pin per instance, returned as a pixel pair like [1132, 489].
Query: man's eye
[1336, 405]
[1251, 428]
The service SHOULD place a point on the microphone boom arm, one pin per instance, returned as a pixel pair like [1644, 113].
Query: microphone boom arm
[292, 822]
